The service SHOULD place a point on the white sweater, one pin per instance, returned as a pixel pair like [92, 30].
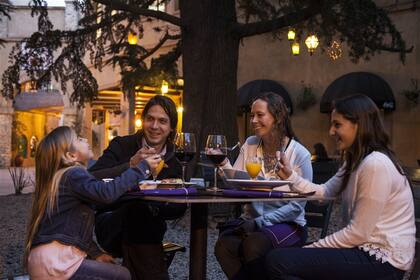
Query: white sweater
[378, 211]
[270, 213]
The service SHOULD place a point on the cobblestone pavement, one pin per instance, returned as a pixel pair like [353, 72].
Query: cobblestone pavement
[15, 210]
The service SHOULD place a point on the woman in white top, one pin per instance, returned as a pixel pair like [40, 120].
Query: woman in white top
[378, 239]
[243, 242]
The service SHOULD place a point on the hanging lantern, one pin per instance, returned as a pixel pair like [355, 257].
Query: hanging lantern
[180, 82]
[312, 43]
[334, 51]
[164, 88]
[291, 35]
[295, 48]
[132, 38]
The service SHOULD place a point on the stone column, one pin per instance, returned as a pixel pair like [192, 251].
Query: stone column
[6, 122]
[4, 21]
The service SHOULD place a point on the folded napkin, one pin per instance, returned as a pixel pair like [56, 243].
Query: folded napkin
[164, 192]
[250, 194]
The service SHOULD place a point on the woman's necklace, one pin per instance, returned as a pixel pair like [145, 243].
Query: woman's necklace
[269, 157]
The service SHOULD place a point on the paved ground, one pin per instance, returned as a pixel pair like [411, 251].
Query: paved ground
[13, 219]
[14, 212]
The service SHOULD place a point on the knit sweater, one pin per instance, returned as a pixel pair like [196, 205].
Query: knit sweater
[378, 211]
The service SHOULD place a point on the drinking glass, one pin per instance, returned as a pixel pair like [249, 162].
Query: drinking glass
[185, 149]
[253, 166]
[216, 151]
[158, 169]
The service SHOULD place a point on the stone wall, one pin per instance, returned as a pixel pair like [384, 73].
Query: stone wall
[262, 57]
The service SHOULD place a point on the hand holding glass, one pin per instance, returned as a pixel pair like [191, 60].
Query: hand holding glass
[158, 169]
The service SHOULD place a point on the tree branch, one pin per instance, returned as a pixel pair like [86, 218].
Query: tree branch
[118, 5]
[160, 44]
[256, 28]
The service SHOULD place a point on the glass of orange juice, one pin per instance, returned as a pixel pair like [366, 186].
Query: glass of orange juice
[158, 169]
[253, 166]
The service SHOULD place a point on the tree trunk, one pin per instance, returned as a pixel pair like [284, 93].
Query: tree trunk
[210, 60]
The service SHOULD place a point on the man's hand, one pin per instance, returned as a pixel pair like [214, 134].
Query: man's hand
[141, 154]
[105, 258]
[153, 162]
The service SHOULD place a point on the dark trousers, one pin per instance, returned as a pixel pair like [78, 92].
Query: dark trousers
[242, 256]
[327, 263]
[90, 269]
[135, 232]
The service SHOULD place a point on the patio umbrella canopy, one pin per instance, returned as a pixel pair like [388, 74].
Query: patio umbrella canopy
[251, 90]
[359, 82]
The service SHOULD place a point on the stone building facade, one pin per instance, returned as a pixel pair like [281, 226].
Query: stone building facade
[23, 128]
[260, 57]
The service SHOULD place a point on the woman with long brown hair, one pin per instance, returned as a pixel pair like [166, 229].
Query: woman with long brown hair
[243, 242]
[61, 225]
[378, 237]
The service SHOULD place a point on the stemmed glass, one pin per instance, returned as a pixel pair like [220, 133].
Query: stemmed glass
[216, 151]
[185, 149]
[253, 166]
[158, 169]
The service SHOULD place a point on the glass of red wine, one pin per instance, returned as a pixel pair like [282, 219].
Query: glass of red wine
[185, 149]
[216, 151]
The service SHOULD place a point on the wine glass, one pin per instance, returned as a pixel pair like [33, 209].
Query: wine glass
[185, 149]
[253, 166]
[216, 151]
[158, 169]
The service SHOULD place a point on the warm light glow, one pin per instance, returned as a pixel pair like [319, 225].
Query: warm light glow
[132, 38]
[138, 123]
[180, 82]
[165, 87]
[335, 51]
[291, 35]
[180, 109]
[295, 48]
[312, 43]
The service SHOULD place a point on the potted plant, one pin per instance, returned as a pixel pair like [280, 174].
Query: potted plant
[307, 98]
[412, 95]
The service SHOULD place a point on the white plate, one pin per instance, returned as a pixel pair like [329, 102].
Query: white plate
[160, 183]
[257, 183]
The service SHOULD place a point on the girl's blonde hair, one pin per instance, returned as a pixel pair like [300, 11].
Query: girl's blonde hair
[51, 162]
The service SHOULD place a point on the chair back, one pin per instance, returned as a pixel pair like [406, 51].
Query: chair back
[318, 215]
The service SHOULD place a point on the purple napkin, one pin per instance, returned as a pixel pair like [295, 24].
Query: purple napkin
[250, 194]
[164, 192]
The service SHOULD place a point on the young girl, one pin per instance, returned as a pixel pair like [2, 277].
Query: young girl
[263, 226]
[60, 231]
[378, 239]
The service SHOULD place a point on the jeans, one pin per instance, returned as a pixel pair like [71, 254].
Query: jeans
[328, 263]
[95, 270]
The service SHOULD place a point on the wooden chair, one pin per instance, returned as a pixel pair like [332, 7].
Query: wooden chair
[318, 215]
[170, 250]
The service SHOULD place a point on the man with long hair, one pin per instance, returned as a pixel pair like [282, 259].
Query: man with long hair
[135, 230]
